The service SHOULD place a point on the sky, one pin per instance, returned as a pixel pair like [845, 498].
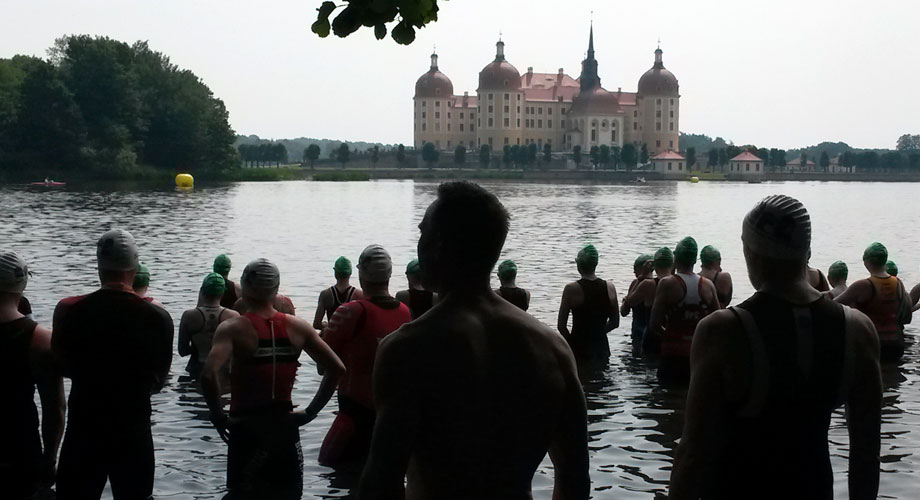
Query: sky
[776, 73]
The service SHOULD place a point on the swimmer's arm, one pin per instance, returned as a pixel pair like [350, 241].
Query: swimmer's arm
[403, 296]
[660, 306]
[59, 339]
[637, 296]
[527, 303]
[51, 391]
[613, 320]
[185, 338]
[220, 354]
[823, 285]
[855, 294]
[162, 354]
[569, 446]
[864, 403]
[325, 357]
[728, 286]
[713, 299]
[320, 311]
[562, 323]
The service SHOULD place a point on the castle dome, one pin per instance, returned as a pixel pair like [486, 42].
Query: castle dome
[499, 74]
[434, 83]
[595, 101]
[658, 80]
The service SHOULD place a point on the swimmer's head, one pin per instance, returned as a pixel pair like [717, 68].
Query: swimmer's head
[260, 281]
[685, 252]
[891, 268]
[463, 232]
[342, 267]
[141, 277]
[507, 270]
[222, 265]
[587, 259]
[14, 273]
[777, 240]
[838, 272]
[116, 250]
[375, 266]
[643, 264]
[413, 268]
[664, 259]
[213, 285]
[875, 256]
[710, 255]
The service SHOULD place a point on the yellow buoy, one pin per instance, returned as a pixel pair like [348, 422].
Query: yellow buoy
[185, 181]
[694, 179]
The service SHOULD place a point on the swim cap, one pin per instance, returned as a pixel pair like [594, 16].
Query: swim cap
[710, 255]
[876, 254]
[641, 260]
[686, 250]
[664, 257]
[375, 265]
[222, 264]
[213, 285]
[507, 270]
[261, 278]
[587, 257]
[117, 251]
[142, 277]
[838, 270]
[778, 227]
[413, 268]
[342, 267]
[891, 268]
[14, 273]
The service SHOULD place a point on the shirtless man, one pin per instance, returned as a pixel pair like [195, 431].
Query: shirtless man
[197, 326]
[594, 306]
[681, 301]
[507, 276]
[639, 299]
[711, 269]
[416, 298]
[264, 459]
[816, 278]
[232, 291]
[883, 298]
[27, 457]
[837, 275]
[471, 396]
[331, 298]
[760, 399]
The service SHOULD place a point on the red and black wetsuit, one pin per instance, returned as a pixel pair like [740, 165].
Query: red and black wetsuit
[680, 324]
[21, 448]
[515, 295]
[420, 301]
[354, 334]
[230, 297]
[774, 443]
[264, 459]
[883, 310]
[338, 299]
[114, 346]
[589, 322]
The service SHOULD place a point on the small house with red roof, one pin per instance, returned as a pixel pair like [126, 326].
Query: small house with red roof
[746, 166]
[670, 164]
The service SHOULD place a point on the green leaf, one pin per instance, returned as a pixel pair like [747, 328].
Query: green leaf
[325, 9]
[380, 31]
[321, 28]
[403, 33]
[347, 22]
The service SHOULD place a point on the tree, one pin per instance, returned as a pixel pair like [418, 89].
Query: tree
[892, 161]
[311, 153]
[630, 156]
[485, 156]
[357, 13]
[343, 154]
[723, 157]
[913, 161]
[867, 161]
[643, 154]
[547, 153]
[430, 154]
[713, 157]
[576, 155]
[530, 154]
[763, 154]
[615, 155]
[375, 156]
[604, 155]
[507, 156]
[691, 158]
[594, 154]
[908, 142]
[460, 155]
[400, 155]
[825, 161]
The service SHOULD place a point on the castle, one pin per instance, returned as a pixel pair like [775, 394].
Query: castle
[511, 108]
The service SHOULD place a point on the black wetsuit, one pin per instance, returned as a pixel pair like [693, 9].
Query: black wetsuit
[775, 442]
[723, 298]
[420, 301]
[589, 322]
[25, 307]
[230, 297]
[20, 444]
[515, 295]
[338, 299]
[113, 346]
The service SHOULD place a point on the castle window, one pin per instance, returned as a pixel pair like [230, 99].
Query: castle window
[672, 102]
[490, 142]
[506, 141]
[635, 113]
[680, 165]
[472, 128]
[672, 144]
[519, 123]
[549, 111]
[604, 124]
[490, 109]
[507, 122]
[563, 110]
[461, 116]
[519, 97]
[593, 135]
[549, 124]
[423, 114]
[658, 114]
[672, 113]
[437, 115]
[613, 135]
[437, 104]
[479, 122]
[635, 125]
[539, 111]
[507, 96]
[449, 104]
[669, 165]
[671, 126]
[519, 110]
[748, 169]
[490, 122]
[507, 109]
[657, 144]
[437, 91]
[448, 115]
[448, 129]
[658, 102]
[505, 83]
[437, 126]
[539, 123]
[490, 97]
[448, 144]
[518, 141]
[461, 127]
[658, 126]
[424, 103]
[423, 127]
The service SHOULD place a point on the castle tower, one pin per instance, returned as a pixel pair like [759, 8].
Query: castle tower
[659, 107]
[499, 104]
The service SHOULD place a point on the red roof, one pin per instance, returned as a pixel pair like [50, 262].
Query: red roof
[746, 156]
[668, 155]
[546, 80]
[471, 101]
[626, 98]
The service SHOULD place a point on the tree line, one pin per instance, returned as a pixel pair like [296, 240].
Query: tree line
[260, 154]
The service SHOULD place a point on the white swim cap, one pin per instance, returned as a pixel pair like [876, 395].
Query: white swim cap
[375, 265]
[14, 273]
[117, 251]
[261, 278]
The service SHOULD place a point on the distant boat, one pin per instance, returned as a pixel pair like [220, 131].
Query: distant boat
[640, 180]
[48, 183]
[754, 181]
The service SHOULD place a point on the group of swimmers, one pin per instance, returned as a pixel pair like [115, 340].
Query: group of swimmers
[450, 389]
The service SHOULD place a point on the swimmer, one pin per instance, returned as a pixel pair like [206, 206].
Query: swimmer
[816, 278]
[883, 298]
[416, 297]
[354, 332]
[681, 301]
[264, 458]
[28, 453]
[197, 326]
[768, 374]
[507, 275]
[472, 395]
[639, 299]
[711, 269]
[142, 283]
[116, 349]
[232, 293]
[837, 275]
[331, 298]
[281, 303]
[593, 304]
[663, 263]
[25, 307]
[891, 268]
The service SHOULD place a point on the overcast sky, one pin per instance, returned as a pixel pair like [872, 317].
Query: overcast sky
[774, 73]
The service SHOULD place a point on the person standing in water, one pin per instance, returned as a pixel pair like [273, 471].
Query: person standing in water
[639, 299]
[507, 275]
[331, 298]
[891, 268]
[883, 299]
[416, 297]
[837, 275]
[232, 291]
[711, 269]
[681, 301]
[471, 396]
[264, 459]
[768, 374]
[27, 456]
[116, 349]
[664, 267]
[354, 332]
[593, 305]
[197, 326]
[141, 284]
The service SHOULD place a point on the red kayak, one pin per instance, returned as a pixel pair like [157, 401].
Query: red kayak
[49, 184]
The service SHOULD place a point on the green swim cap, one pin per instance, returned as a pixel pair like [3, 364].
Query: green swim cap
[342, 266]
[838, 270]
[413, 268]
[142, 277]
[507, 270]
[685, 252]
[664, 257]
[213, 285]
[222, 264]
[587, 258]
[891, 268]
[641, 260]
[710, 255]
[876, 254]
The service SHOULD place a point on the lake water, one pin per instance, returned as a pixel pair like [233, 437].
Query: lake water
[304, 226]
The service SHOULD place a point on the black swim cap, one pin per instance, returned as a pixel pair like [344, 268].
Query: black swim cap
[778, 227]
